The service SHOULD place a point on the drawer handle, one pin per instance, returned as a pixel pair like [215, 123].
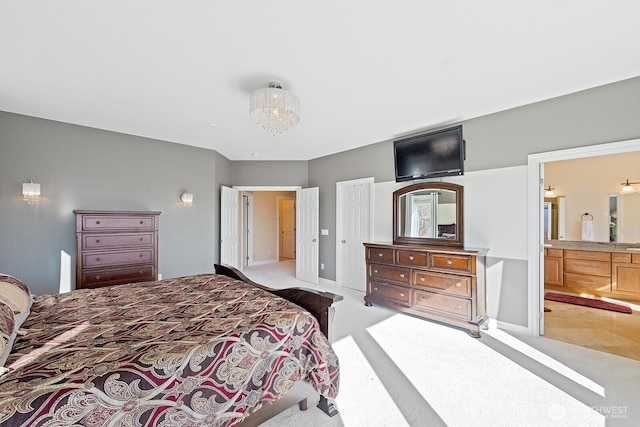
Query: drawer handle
[458, 307]
[141, 272]
[458, 285]
[422, 279]
[98, 259]
[97, 222]
[375, 289]
[141, 255]
[97, 277]
[449, 262]
[379, 253]
[141, 239]
[141, 222]
[375, 271]
[410, 257]
[401, 294]
[402, 275]
[97, 240]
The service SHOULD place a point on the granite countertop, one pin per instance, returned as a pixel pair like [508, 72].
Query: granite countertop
[630, 248]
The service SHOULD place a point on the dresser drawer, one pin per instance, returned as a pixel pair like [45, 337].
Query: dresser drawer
[460, 263]
[387, 272]
[104, 259]
[411, 258]
[104, 277]
[450, 305]
[588, 255]
[380, 255]
[595, 268]
[386, 291]
[583, 281]
[118, 222]
[105, 241]
[459, 285]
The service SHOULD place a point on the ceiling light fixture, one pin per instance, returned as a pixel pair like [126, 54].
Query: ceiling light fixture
[274, 109]
[548, 192]
[627, 187]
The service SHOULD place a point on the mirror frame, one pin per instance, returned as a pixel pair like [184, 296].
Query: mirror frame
[404, 240]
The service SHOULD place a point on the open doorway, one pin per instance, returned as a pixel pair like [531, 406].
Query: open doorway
[543, 169]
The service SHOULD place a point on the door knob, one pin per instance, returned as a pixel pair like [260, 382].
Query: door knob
[314, 240]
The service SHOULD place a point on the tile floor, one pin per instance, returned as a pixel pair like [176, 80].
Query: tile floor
[603, 330]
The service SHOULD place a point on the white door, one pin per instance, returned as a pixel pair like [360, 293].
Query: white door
[307, 223]
[229, 227]
[354, 228]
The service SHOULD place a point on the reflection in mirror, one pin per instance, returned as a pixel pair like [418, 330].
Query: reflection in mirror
[628, 218]
[554, 218]
[428, 213]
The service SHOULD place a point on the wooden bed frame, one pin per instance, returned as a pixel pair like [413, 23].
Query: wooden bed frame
[320, 305]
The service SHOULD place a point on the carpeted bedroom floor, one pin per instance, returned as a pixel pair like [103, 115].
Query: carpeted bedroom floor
[397, 370]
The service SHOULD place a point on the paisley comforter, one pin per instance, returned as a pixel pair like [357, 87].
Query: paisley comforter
[202, 350]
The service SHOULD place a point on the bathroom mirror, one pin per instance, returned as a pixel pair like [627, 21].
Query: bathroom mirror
[429, 213]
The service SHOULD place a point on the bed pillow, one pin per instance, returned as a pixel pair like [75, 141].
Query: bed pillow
[17, 296]
[8, 333]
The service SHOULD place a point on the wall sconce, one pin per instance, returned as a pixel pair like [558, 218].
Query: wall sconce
[548, 192]
[627, 188]
[187, 199]
[30, 192]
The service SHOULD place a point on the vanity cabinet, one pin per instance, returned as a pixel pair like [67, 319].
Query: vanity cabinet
[553, 267]
[437, 283]
[115, 247]
[589, 270]
[625, 274]
[597, 272]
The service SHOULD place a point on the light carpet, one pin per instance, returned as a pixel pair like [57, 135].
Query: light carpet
[398, 370]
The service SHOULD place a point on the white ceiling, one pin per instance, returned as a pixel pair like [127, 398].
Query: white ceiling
[365, 71]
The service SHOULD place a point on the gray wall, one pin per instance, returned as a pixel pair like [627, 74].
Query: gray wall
[84, 168]
[605, 114]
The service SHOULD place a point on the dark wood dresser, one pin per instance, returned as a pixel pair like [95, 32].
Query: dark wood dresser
[433, 282]
[115, 247]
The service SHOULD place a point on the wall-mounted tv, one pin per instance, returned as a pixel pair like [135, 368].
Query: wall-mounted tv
[430, 155]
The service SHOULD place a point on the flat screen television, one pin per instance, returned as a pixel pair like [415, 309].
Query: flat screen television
[430, 155]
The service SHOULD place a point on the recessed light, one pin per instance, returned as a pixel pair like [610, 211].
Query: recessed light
[213, 125]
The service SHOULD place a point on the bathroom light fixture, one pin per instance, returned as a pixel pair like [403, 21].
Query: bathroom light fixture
[274, 109]
[30, 192]
[187, 199]
[548, 192]
[627, 187]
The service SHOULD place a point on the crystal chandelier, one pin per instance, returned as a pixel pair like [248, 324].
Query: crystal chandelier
[274, 109]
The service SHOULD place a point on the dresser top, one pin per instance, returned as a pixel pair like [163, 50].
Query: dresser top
[430, 248]
[98, 212]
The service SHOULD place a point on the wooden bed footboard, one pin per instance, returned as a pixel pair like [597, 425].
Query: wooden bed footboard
[319, 304]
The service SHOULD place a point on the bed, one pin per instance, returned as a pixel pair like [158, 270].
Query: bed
[202, 350]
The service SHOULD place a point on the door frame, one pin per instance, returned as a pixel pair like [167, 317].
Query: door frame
[253, 188]
[340, 185]
[535, 251]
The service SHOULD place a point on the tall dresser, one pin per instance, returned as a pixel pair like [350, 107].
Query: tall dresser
[115, 247]
[433, 282]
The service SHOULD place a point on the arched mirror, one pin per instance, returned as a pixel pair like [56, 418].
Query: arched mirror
[428, 213]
